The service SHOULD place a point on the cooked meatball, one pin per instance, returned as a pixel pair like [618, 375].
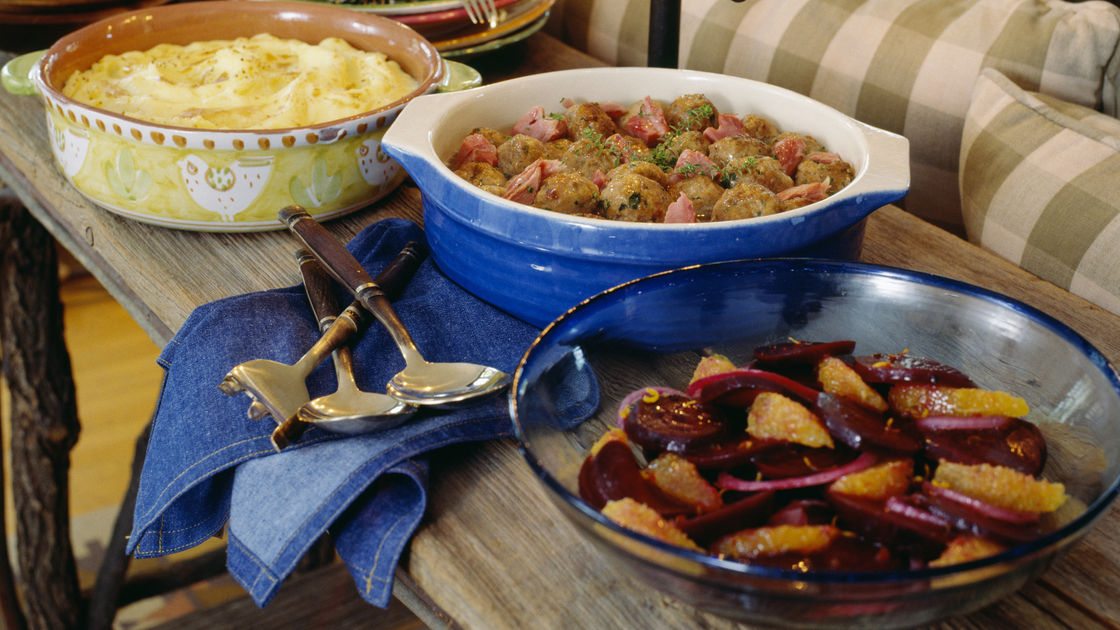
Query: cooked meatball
[838, 172]
[747, 200]
[811, 144]
[568, 193]
[646, 169]
[727, 150]
[635, 109]
[633, 197]
[676, 144]
[795, 203]
[703, 192]
[587, 156]
[494, 136]
[590, 117]
[518, 152]
[764, 170]
[482, 174]
[494, 190]
[630, 148]
[687, 113]
[555, 150]
[756, 126]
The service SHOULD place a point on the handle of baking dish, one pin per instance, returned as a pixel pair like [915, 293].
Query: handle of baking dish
[458, 77]
[16, 74]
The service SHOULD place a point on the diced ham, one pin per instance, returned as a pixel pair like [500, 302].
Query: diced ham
[523, 187]
[620, 146]
[789, 152]
[536, 124]
[476, 148]
[599, 179]
[614, 110]
[649, 124]
[692, 162]
[681, 211]
[814, 191]
[729, 125]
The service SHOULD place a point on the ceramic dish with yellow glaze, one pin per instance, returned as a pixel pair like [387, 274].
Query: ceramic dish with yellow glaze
[225, 180]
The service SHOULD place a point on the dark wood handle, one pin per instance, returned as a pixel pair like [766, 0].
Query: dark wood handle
[319, 288]
[330, 251]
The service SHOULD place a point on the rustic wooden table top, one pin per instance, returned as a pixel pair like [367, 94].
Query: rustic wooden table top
[492, 552]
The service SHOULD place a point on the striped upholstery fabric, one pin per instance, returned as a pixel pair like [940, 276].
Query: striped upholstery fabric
[907, 66]
[1040, 186]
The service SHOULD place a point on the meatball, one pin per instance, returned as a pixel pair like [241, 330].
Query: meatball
[646, 169]
[519, 152]
[756, 126]
[568, 193]
[811, 144]
[692, 112]
[838, 172]
[702, 190]
[672, 147]
[555, 150]
[747, 200]
[494, 136]
[635, 109]
[589, 117]
[764, 170]
[727, 150]
[481, 174]
[587, 156]
[629, 147]
[633, 197]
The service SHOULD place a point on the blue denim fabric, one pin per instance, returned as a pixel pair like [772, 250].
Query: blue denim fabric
[207, 463]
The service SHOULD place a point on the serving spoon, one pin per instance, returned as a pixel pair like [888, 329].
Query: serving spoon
[348, 410]
[420, 382]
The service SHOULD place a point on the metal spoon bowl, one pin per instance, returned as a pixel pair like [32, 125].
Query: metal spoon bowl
[420, 382]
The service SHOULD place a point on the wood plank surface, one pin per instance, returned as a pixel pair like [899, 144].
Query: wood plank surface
[493, 553]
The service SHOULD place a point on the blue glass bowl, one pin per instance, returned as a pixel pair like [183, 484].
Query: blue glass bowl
[536, 264]
[653, 331]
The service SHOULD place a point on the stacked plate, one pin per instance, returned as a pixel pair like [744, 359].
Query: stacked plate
[446, 23]
[27, 25]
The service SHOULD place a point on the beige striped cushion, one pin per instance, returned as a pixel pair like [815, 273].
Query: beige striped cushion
[1040, 184]
[907, 66]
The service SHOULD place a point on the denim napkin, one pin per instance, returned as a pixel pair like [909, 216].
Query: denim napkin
[208, 464]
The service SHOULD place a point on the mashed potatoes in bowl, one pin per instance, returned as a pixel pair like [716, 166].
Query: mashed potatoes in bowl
[259, 82]
[277, 103]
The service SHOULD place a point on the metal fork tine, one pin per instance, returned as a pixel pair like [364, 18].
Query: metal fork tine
[472, 10]
[491, 13]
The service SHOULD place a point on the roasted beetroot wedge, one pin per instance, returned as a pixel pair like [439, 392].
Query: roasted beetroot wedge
[903, 368]
[862, 428]
[1016, 443]
[739, 388]
[673, 423]
[800, 352]
[612, 473]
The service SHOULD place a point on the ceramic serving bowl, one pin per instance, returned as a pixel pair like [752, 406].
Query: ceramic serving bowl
[536, 264]
[653, 331]
[225, 180]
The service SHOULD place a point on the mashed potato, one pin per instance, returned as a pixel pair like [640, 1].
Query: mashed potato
[262, 82]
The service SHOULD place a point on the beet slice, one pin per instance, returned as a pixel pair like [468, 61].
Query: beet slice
[903, 368]
[795, 460]
[973, 521]
[800, 352]
[674, 423]
[738, 388]
[863, 428]
[730, 453]
[614, 473]
[920, 531]
[1018, 445]
[750, 511]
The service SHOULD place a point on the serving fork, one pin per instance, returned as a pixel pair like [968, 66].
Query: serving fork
[481, 11]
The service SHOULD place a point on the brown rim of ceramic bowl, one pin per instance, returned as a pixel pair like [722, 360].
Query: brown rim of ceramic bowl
[228, 19]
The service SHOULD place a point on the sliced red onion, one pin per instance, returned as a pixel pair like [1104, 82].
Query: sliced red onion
[912, 512]
[982, 507]
[946, 423]
[864, 461]
[630, 399]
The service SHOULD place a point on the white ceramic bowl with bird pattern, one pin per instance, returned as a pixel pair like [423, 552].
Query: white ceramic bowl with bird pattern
[227, 180]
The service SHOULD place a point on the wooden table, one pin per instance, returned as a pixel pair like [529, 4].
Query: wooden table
[492, 552]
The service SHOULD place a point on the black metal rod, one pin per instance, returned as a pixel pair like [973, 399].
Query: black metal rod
[664, 33]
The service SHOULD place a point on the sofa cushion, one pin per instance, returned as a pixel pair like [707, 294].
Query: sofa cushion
[1039, 187]
[907, 66]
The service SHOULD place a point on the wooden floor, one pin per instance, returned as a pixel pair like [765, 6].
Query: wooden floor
[118, 381]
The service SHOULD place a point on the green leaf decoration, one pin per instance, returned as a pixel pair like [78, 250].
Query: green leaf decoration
[125, 181]
[323, 189]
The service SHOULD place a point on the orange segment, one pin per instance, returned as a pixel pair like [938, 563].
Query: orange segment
[838, 378]
[773, 540]
[679, 478]
[710, 366]
[919, 401]
[966, 548]
[775, 417]
[643, 519]
[885, 479]
[1001, 486]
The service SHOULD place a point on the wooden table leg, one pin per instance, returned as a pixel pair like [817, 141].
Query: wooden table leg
[44, 417]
